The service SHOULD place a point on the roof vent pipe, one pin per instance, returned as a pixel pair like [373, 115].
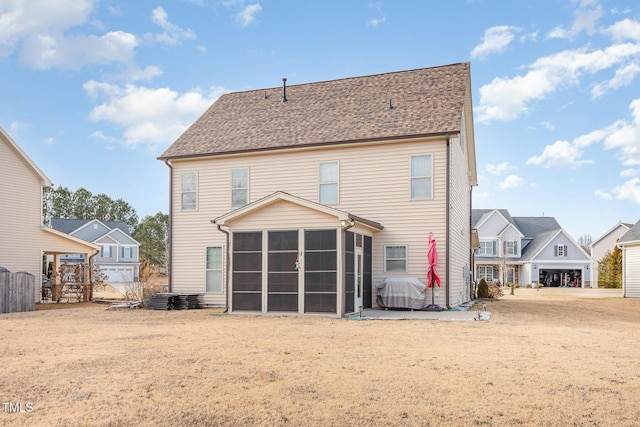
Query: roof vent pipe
[284, 89]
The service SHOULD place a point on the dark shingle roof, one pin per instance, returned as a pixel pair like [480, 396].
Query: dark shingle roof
[632, 235]
[68, 226]
[537, 230]
[426, 101]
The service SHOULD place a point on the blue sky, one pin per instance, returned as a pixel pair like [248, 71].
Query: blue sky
[95, 90]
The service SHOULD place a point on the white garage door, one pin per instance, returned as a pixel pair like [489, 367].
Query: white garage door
[118, 274]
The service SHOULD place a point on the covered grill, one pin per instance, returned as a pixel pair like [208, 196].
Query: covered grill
[402, 292]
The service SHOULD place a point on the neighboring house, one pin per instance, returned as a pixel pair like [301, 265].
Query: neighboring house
[527, 250]
[605, 243]
[630, 245]
[118, 257]
[303, 198]
[25, 240]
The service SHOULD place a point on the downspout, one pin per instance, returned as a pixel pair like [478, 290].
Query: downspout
[472, 252]
[448, 216]
[226, 265]
[169, 238]
[91, 257]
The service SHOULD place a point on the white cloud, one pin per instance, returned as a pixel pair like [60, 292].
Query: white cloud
[629, 190]
[625, 137]
[624, 77]
[510, 182]
[14, 127]
[626, 29]
[559, 32]
[39, 29]
[374, 22]
[248, 14]
[560, 154]
[627, 173]
[585, 18]
[622, 136]
[21, 20]
[152, 116]
[48, 141]
[548, 125]
[498, 169]
[507, 99]
[495, 40]
[173, 33]
[47, 51]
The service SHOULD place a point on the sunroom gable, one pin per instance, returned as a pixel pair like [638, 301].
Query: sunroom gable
[282, 208]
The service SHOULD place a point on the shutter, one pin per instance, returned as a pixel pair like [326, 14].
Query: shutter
[494, 247]
[555, 250]
[565, 250]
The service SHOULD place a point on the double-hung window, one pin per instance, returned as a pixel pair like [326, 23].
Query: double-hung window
[127, 252]
[239, 187]
[395, 259]
[486, 247]
[328, 182]
[421, 176]
[106, 251]
[214, 269]
[486, 272]
[189, 191]
[511, 247]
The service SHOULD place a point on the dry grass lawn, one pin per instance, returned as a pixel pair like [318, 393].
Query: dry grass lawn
[543, 359]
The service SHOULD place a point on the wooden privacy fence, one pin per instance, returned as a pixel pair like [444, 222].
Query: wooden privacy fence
[17, 292]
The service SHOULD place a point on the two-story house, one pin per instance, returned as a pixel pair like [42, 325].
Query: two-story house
[603, 244]
[527, 251]
[302, 198]
[118, 257]
[25, 240]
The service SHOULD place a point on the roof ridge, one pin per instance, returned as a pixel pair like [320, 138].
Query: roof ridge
[348, 78]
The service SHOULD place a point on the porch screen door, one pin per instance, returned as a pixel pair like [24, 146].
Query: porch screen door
[320, 271]
[282, 287]
[247, 271]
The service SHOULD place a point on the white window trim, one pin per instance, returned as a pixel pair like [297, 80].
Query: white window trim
[406, 258]
[240, 188]
[182, 192]
[336, 182]
[102, 251]
[493, 245]
[411, 177]
[484, 268]
[206, 270]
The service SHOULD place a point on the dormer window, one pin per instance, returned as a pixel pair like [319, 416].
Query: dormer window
[511, 247]
[486, 247]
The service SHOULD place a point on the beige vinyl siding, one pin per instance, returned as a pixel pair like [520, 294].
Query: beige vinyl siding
[459, 227]
[20, 213]
[631, 274]
[374, 184]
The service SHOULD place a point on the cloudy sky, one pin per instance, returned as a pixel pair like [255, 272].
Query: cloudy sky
[95, 90]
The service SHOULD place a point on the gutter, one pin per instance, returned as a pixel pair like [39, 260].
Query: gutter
[226, 264]
[472, 252]
[251, 150]
[91, 257]
[448, 216]
[170, 234]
